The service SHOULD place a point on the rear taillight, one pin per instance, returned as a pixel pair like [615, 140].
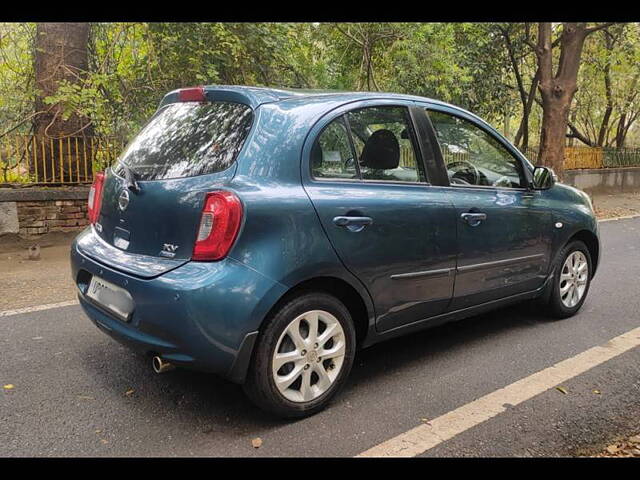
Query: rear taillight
[95, 197]
[193, 94]
[219, 225]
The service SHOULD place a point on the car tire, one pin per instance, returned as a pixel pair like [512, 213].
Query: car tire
[284, 334]
[562, 302]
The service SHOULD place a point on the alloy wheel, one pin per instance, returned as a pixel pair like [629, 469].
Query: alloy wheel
[308, 356]
[573, 279]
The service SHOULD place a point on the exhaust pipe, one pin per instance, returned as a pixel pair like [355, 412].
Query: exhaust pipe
[160, 366]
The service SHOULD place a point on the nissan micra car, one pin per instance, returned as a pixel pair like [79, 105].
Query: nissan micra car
[266, 235]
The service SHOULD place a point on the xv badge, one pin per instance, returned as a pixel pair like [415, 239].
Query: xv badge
[169, 250]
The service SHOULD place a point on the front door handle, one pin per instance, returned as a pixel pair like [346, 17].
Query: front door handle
[473, 219]
[353, 224]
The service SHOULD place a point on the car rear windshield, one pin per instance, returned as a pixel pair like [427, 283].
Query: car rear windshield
[188, 139]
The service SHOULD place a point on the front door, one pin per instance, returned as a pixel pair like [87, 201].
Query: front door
[504, 231]
[389, 227]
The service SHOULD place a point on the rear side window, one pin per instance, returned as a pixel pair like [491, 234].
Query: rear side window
[331, 155]
[188, 139]
[382, 137]
[381, 140]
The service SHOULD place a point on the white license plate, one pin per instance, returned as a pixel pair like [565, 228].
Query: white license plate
[111, 297]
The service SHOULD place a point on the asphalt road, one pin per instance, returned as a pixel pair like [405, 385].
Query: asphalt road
[79, 393]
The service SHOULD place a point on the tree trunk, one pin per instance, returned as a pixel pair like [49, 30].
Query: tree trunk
[574, 114]
[61, 147]
[620, 131]
[521, 139]
[552, 135]
[624, 124]
[522, 136]
[505, 118]
[557, 89]
[604, 126]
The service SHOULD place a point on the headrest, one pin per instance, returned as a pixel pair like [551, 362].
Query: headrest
[381, 151]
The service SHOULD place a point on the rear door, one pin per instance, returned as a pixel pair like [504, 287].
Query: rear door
[185, 150]
[366, 178]
[504, 227]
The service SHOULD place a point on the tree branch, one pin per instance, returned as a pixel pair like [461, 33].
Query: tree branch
[348, 34]
[575, 133]
[595, 28]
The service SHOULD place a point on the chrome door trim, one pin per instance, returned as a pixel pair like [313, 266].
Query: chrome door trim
[445, 272]
[441, 272]
[498, 263]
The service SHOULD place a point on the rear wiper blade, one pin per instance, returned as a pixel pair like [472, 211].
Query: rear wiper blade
[130, 177]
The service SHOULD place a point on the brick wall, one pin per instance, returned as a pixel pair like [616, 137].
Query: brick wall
[39, 217]
[35, 211]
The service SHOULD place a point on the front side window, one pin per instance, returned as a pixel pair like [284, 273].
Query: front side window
[188, 139]
[474, 157]
[382, 137]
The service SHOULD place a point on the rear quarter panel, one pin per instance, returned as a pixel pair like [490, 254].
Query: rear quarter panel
[281, 236]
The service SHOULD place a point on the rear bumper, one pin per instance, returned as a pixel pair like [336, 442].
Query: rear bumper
[199, 315]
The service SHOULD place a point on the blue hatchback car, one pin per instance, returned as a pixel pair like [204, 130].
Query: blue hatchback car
[265, 235]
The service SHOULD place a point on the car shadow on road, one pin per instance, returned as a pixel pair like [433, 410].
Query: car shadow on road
[206, 398]
[432, 344]
[204, 403]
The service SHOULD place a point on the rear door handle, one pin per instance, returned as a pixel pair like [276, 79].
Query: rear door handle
[353, 224]
[473, 219]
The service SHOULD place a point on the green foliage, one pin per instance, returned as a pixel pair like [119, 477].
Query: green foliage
[132, 65]
[426, 62]
[17, 90]
[612, 56]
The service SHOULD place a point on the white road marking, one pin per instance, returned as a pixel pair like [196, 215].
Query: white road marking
[426, 436]
[37, 308]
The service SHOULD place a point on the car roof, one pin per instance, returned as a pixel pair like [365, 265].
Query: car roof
[256, 96]
[278, 94]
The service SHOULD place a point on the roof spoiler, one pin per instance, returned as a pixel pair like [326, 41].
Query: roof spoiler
[250, 96]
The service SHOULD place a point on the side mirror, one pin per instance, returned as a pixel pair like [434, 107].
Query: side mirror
[543, 178]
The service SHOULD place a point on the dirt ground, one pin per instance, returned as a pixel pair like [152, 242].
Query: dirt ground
[623, 447]
[618, 205]
[25, 282]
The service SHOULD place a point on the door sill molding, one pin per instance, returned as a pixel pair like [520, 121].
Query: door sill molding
[455, 315]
